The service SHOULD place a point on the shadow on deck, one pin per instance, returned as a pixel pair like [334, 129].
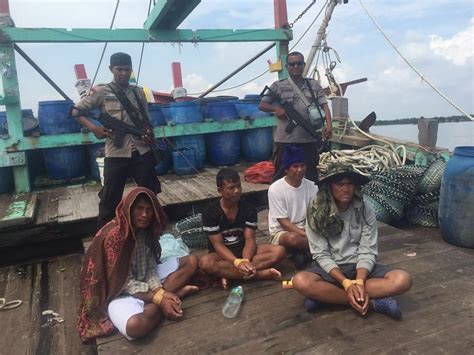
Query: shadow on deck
[438, 312]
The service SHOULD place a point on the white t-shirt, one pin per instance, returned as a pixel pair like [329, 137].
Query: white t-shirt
[286, 201]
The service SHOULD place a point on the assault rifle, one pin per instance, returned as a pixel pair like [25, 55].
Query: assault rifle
[295, 119]
[120, 129]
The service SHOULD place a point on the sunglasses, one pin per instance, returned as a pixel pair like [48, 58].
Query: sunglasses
[295, 64]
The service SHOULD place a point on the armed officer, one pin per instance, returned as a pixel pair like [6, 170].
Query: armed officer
[134, 157]
[291, 90]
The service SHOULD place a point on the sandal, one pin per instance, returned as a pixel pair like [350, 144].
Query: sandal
[287, 284]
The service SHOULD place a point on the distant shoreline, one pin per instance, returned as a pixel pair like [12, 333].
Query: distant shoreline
[414, 120]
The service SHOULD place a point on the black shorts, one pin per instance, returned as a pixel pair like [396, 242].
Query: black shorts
[349, 271]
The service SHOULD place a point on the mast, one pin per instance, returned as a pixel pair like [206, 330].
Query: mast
[321, 34]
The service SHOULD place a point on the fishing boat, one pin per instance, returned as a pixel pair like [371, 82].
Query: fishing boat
[438, 311]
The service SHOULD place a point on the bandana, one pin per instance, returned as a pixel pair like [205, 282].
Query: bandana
[292, 155]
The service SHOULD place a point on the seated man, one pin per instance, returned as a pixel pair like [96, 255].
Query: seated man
[342, 234]
[288, 199]
[230, 225]
[119, 282]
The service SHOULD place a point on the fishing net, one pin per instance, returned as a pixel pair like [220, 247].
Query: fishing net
[381, 212]
[431, 180]
[422, 216]
[190, 230]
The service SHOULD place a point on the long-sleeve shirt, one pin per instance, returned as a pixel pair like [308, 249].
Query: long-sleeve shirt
[142, 276]
[357, 242]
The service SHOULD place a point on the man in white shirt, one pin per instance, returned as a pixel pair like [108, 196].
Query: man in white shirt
[288, 198]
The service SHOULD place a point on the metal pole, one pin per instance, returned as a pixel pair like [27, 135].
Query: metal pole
[321, 32]
[266, 49]
[41, 72]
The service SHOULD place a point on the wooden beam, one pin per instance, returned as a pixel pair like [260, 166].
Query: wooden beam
[83, 35]
[71, 139]
[169, 14]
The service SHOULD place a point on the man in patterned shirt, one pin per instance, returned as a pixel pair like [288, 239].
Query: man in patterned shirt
[120, 284]
[230, 225]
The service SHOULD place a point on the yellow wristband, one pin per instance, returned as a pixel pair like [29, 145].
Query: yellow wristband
[346, 283]
[237, 262]
[358, 282]
[158, 296]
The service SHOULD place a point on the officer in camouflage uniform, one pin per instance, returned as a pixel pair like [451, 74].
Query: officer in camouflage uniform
[299, 137]
[135, 158]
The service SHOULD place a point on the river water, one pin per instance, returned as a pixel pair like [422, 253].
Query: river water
[450, 134]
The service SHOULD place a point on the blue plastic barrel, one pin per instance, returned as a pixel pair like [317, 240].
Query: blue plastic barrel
[28, 121]
[157, 117]
[185, 112]
[92, 150]
[456, 202]
[256, 144]
[165, 109]
[197, 142]
[183, 161]
[61, 163]
[223, 148]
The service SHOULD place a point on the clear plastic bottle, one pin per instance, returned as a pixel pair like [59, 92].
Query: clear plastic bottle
[233, 302]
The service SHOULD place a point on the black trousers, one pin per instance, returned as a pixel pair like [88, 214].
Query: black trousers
[311, 157]
[116, 171]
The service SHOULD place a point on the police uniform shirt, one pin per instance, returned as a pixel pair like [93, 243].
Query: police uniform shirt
[104, 99]
[285, 92]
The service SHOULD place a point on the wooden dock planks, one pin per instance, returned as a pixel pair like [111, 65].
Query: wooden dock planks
[438, 311]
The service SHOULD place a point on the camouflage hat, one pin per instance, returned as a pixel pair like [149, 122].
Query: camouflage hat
[338, 168]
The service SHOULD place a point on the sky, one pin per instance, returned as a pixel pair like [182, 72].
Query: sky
[436, 36]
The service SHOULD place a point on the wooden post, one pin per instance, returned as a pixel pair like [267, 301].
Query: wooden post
[427, 132]
[11, 97]
[281, 21]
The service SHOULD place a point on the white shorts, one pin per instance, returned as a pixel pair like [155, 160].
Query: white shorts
[124, 307]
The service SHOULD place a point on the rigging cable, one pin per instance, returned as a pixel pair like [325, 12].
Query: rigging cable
[423, 78]
[105, 44]
[266, 71]
[143, 48]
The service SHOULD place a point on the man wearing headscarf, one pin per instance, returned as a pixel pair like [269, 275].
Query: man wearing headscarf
[120, 287]
[288, 198]
[342, 234]
[134, 158]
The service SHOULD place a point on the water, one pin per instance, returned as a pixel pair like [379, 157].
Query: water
[233, 302]
[450, 134]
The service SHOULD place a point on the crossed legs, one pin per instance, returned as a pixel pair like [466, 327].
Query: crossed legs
[309, 284]
[265, 257]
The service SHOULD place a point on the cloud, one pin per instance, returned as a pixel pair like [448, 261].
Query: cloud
[457, 49]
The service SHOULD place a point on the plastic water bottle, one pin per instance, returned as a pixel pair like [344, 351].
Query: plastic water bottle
[233, 302]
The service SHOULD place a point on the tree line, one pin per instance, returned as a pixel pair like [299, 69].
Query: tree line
[414, 120]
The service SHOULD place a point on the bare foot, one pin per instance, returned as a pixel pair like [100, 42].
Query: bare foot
[269, 274]
[186, 290]
[225, 283]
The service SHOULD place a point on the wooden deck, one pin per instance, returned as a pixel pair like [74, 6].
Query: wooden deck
[71, 211]
[438, 312]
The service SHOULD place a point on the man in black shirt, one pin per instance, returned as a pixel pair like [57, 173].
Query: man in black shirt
[230, 225]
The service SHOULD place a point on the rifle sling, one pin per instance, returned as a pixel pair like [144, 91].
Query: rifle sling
[131, 110]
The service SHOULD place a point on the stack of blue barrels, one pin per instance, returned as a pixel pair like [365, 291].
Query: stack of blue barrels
[34, 157]
[61, 163]
[257, 144]
[158, 119]
[190, 151]
[223, 148]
